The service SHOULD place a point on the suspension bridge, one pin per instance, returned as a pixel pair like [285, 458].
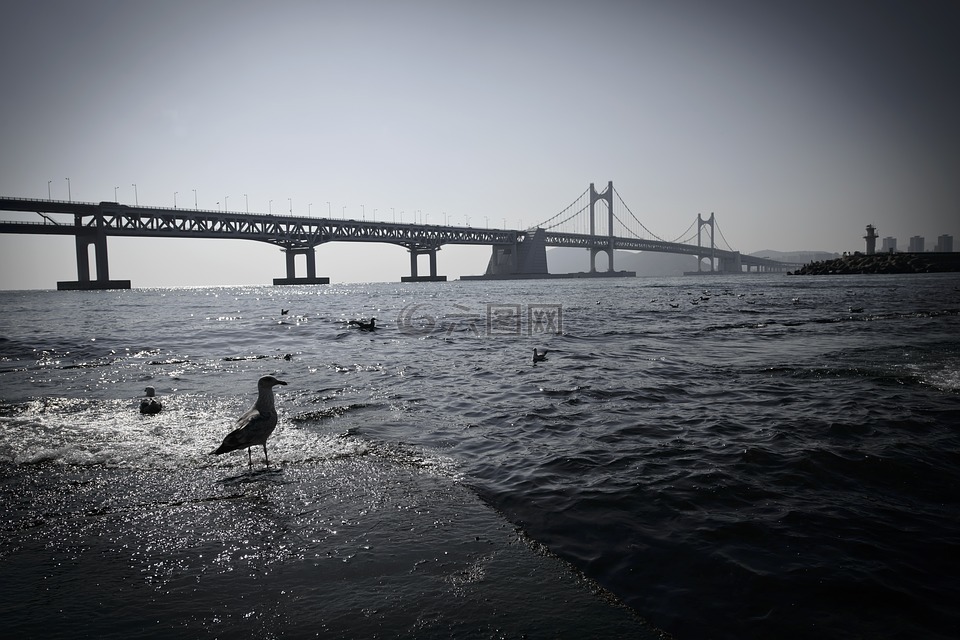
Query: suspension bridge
[599, 222]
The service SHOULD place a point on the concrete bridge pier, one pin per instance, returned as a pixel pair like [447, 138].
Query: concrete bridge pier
[291, 255]
[593, 258]
[527, 258]
[731, 265]
[415, 253]
[84, 282]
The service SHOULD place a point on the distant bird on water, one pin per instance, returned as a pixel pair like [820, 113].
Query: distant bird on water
[256, 425]
[151, 404]
[365, 326]
[539, 357]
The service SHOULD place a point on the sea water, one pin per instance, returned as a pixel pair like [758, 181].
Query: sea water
[720, 456]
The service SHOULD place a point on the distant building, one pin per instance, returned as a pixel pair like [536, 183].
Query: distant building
[945, 243]
[916, 244]
[889, 245]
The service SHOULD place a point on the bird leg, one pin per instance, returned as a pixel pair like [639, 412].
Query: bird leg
[249, 458]
[265, 454]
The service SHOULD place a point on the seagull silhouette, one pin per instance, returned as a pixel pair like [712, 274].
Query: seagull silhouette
[366, 326]
[256, 425]
[539, 357]
[150, 404]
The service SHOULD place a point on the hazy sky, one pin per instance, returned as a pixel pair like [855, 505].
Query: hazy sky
[798, 123]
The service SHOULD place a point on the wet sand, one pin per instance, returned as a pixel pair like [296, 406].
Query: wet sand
[340, 549]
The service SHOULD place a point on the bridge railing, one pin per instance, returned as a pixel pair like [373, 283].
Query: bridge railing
[52, 201]
[36, 222]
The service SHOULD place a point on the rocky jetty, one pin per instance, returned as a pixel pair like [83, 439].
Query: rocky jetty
[883, 263]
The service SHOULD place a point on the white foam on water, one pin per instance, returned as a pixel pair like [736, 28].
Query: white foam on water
[113, 433]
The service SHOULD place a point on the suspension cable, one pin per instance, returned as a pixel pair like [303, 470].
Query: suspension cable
[572, 204]
[567, 219]
[686, 237]
[682, 238]
[729, 248]
[637, 219]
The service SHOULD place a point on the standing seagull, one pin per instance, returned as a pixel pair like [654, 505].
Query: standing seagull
[256, 425]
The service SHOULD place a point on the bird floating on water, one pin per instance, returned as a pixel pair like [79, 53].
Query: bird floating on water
[539, 357]
[365, 326]
[256, 425]
[284, 312]
[151, 404]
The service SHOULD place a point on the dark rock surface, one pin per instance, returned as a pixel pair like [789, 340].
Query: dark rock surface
[884, 263]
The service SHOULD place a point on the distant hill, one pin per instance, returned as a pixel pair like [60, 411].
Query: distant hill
[652, 263]
[649, 263]
[796, 256]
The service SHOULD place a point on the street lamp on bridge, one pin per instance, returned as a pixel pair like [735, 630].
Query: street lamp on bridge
[49, 197]
[136, 198]
[69, 195]
[175, 199]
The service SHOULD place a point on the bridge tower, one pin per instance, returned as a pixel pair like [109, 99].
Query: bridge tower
[701, 223]
[607, 197]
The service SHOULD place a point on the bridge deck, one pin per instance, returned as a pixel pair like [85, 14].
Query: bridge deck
[297, 232]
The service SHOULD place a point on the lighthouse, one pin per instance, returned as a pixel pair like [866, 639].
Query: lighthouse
[871, 239]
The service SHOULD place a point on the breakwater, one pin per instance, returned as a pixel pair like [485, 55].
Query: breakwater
[859, 263]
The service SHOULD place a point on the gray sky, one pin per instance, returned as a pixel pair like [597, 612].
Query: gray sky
[798, 123]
